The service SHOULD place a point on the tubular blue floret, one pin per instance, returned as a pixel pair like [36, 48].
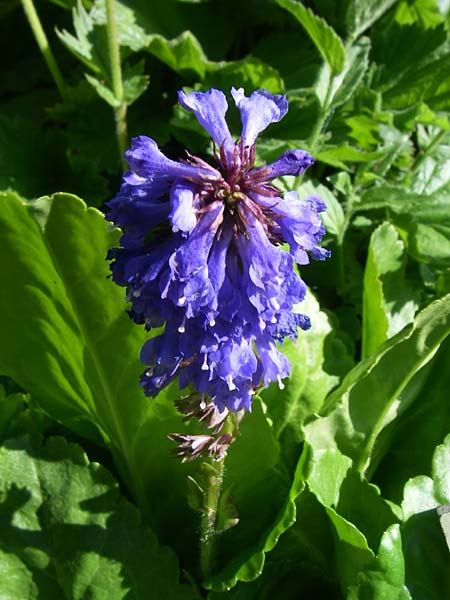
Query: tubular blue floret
[201, 252]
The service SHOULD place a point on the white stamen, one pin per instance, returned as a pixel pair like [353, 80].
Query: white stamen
[182, 301]
[280, 383]
[275, 304]
[212, 322]
[182, 328]
[137, 293]
[205, 363]
[273, 319]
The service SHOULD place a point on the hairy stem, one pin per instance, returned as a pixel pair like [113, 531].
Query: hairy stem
[44, 46]
[208, 533]
[120, 112]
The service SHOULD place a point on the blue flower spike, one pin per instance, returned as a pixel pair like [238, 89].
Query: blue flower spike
[201, 252]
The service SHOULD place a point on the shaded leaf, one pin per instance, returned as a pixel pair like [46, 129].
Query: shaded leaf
[388, 298]
[64, 516]
[326, 40]
[353, 424]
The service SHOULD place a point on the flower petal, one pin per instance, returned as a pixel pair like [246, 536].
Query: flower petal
[147, 160]
[182, 214]
[291, 162]
[258, 111]
[210, 109]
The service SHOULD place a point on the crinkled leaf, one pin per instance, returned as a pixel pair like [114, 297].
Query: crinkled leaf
[388, 298]
[326, 40]
[353, 424]
[65, 517]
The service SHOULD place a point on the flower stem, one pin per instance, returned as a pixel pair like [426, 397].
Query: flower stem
[208, 533]
[44, 46]
[120, 112]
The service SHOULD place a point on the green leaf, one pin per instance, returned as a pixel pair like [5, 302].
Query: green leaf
[249, 73]
[319, 359]
[89, 45]
[362, 14]
[416, 433]
[426, 552]
[183, 54]
[388, 299]
[130, 33]
[64, 517]
[416, 76]
[423, 221]
[103, 91]
[10, 407]
[264, 495]
[385, 577]
[134, 82]
[16, 581]
[351, 423]
[77, 352]
[356, 511]
[332, 89]
[327, 41]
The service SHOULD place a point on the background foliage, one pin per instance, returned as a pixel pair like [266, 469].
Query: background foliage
[335, 479]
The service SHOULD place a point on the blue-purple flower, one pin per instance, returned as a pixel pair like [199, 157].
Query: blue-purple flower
[202, 253]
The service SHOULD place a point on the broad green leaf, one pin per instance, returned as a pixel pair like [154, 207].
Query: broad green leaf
[385, 577]
[264, 495]
[422, 220]
[327, 41]
[182, 54]
[332, 89]
[16, 580]
[319, 360]
[418, 431]
[77, 352]
[357, 513]
[65, 517]
[352, 422]
[362, 14]
[425, 549]
[388, 298]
